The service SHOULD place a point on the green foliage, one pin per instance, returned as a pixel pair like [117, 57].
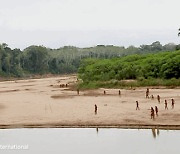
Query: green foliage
[35, 59]
[10, 61]
[40, 60]
[164, 65]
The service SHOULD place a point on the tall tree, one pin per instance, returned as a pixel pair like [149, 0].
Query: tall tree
[36, 59]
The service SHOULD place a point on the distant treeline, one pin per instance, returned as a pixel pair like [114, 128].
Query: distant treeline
[42, 60]
[163, 65]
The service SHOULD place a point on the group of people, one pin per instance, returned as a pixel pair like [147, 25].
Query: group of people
[166, 108]
[172, 104]
[155, 111]
[63, 85]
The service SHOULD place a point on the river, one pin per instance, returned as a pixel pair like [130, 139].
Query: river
[89, 141]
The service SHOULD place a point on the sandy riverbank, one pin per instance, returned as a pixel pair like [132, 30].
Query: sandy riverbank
[42, 103]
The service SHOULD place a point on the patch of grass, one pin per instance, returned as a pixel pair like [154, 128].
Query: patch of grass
[159, 82]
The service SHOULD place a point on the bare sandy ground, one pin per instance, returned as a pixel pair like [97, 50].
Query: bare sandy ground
[42, 103]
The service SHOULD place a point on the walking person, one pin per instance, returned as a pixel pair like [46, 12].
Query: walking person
[166, 108]
[158, 98]
[137, 105]
[152, 113]
[156, 110]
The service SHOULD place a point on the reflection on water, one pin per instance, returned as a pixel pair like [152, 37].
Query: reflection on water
[97, 130]
[155, 132]
[86, 141]
[158, 132]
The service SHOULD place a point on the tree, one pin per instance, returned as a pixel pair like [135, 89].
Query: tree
[156, 46]
[36, 59]
[4, 45]
[169, 47]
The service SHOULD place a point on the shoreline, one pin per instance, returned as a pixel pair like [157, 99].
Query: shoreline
[123, 126]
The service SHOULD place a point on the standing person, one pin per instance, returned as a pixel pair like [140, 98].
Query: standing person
[137, 105]
[95, 109]
[152, 113]
[158, 98]
[166, 108]
[173, 102]
[156, 110]
[104, 92]
[119, 93]
[78, 91]
[147, 93]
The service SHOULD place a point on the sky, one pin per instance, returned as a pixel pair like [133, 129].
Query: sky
[85, 23]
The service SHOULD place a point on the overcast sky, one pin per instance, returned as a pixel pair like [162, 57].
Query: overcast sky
[84, 23]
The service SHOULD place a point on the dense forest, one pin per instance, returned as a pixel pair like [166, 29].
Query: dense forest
[67, 59]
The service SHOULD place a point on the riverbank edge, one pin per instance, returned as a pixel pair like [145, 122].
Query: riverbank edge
[122, 126]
